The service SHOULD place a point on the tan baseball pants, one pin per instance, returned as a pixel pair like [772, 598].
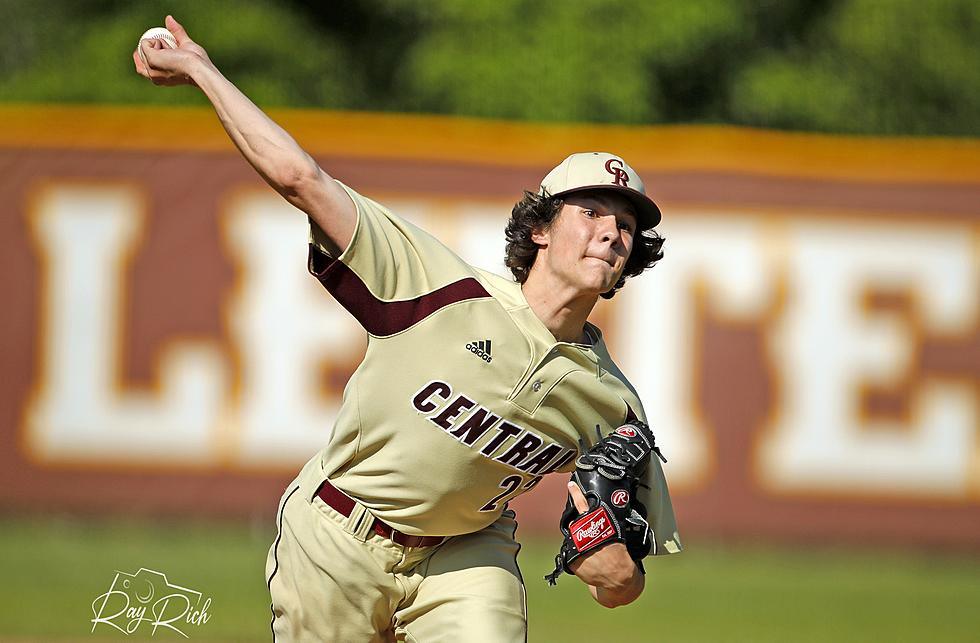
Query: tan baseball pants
[330, 583]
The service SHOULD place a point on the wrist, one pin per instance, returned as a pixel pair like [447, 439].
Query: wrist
[201, 71]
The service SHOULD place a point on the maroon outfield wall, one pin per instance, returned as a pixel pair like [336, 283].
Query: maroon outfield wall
[179, 281]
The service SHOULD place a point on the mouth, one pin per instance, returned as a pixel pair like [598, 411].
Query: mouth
[609, 262]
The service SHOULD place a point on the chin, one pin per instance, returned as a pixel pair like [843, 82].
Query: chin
[596, 282]
[598, 287]
[605, 281]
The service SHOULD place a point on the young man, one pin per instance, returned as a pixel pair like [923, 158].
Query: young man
[472, 388]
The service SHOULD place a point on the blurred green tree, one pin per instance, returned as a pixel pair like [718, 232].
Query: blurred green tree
[861, 66]
[80, 51]
[897, 67]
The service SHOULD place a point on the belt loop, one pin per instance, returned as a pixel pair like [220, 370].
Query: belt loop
[360, 522]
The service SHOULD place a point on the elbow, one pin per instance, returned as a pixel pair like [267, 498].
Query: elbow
[296, 179]
[612, 600]
[623, 592]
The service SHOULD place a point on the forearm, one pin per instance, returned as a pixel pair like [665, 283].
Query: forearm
[278, 159]
[273, 153]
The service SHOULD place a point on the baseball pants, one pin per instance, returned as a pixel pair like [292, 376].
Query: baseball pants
[329, 582]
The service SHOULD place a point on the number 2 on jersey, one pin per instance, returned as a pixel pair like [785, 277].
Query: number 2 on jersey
[509, 485]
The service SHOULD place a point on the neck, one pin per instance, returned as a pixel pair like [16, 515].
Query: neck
[563, 313]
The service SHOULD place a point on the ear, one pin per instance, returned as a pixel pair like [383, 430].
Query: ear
[541, 236]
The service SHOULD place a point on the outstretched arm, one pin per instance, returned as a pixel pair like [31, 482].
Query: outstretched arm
[612, 576]
[274, 154]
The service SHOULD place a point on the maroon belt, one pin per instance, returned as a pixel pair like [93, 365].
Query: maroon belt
[343, 503]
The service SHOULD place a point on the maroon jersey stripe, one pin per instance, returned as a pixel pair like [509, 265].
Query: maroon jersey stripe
[379, 317]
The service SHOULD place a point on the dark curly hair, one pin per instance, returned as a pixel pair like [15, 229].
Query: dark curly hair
[535, 211]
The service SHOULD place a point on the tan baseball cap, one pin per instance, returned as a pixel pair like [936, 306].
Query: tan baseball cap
[601, 170]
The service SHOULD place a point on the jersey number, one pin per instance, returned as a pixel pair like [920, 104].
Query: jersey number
[509, 485]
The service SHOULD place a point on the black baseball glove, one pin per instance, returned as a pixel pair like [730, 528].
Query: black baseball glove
[609, 474]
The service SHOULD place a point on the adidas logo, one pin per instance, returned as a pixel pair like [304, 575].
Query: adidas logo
[481, 349]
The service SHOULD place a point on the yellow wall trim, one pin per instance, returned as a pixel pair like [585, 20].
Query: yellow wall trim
[469, 140]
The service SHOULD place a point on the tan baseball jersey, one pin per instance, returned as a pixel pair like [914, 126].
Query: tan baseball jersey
[464, 399]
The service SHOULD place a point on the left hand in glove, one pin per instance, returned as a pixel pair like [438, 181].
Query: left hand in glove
[608, 475]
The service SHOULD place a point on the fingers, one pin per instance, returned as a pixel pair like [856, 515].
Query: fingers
[151, 63]
[142, 55]
[153, 60]
[177, 30]
[150, 48]
[147, 48]
[578, 498]
[140, 68]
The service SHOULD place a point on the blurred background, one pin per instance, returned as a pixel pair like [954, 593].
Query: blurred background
[808, 352]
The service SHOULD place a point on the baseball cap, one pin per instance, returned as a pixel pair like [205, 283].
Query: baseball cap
[601, 170]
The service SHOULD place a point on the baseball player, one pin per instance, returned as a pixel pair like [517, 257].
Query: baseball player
[473, 387]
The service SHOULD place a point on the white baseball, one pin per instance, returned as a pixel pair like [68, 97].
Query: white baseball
[156, 33]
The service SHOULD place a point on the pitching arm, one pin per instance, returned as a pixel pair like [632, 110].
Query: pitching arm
[274, 154]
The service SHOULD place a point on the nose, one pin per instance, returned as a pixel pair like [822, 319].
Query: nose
[609, 230]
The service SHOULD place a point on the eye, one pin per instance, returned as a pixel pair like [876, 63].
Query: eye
[589, 213]
[625, 225]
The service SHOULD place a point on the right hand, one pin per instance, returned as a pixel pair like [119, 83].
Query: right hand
[166, 66]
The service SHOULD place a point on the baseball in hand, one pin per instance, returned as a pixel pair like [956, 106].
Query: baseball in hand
[156, 33]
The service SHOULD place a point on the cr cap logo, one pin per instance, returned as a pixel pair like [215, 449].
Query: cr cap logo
[620, 498]
[626, 431]
[620, 177]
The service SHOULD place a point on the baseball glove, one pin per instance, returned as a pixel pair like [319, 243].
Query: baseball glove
[609, 474]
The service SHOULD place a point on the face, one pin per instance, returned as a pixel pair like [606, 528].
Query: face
[589, 241]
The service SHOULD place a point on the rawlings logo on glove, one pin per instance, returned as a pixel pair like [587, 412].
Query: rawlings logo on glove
[608, 475]
[626, 431]
[598, 528]
[620, 498]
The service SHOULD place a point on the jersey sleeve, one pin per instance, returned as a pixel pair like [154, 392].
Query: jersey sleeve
[655, 496]
[660, 512]
[392, 274]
